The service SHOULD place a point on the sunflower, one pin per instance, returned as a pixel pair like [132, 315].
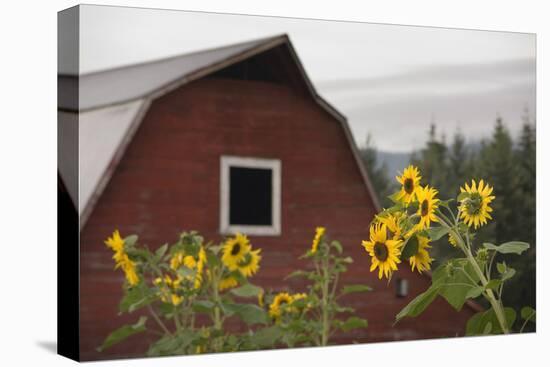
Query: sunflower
[250, 264]
[235, 250]
[179, 259]
[421, 260]
[474, 208]
[176, 300]
[298, 296]
[116, 243]
[227, 282]
[319, 233]
[168, 289]
[200, 266]
[383, 251]
[452, 239]
[280, 299]
[409, 180]
[427, 204]
[176, 260]
[392, 224]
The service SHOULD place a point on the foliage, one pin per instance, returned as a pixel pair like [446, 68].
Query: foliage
[191, 288]
[417, 219]
[185, 289]
[375, 170]
[510, 165]
[312, 318]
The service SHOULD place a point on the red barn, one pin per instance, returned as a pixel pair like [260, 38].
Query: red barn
[230, 139]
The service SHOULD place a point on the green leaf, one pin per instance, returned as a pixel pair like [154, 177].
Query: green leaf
[130, 240]
[161, 251]
[341, 309]
[462, 196]
[396, 208]
[297, 273]
[445, 203]
[212, 260]
[123, 332]
[247, 290]
[266, 337]
[346, 260]
[501, 268]
[136, 298]
[528, 313]
[353, 323]
[250, 314]
[487, 329]
[513, 247]
[393, 197]
[493, 284]
[355, 288]
[477, 324]
[435, 233]
[172, 344]
[456, 285]
[185, 272]
[203, 306]
[337, 245]
[410, 249]
[508, 274]
[419, 304]
[474, 292]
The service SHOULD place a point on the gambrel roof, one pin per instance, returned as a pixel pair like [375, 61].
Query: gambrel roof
[108, 106]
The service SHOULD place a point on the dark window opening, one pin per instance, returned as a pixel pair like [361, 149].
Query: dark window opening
[250, 196]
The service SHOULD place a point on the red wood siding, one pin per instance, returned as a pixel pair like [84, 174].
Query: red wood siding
[168, 181]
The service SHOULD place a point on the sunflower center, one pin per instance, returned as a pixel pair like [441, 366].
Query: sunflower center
[380, 251]
[236, 249]
[424, 206]
[473, 204]
[408, 185]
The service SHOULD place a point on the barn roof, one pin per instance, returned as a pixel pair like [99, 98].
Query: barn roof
[109, 105]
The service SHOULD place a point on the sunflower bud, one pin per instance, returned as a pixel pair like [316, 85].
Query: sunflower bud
[449, 270]
[482, 255]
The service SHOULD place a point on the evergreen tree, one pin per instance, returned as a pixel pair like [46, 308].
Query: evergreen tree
[497, 165]
[511, 171]
[459, 164]
[526, 159]
[525, 279]
[432, 162]
[377, 172]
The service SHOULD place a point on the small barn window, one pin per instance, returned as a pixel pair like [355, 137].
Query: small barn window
[401, 287]
[250, 195]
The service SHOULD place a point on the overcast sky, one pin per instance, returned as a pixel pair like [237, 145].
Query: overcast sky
[388, 80]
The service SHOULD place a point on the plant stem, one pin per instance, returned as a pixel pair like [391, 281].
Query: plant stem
[158, 320]
[216, 296]
[217, 343]
[495, 304]
[177, 319]
[525, 323]
[325, 316]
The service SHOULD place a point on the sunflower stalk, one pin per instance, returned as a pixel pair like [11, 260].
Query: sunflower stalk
[177, 281]
[490, 296]
[419, 213]
[325, 306]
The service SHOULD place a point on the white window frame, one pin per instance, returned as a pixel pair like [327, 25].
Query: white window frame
[249, 162]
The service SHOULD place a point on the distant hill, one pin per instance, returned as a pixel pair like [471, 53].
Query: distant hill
[395, 162]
